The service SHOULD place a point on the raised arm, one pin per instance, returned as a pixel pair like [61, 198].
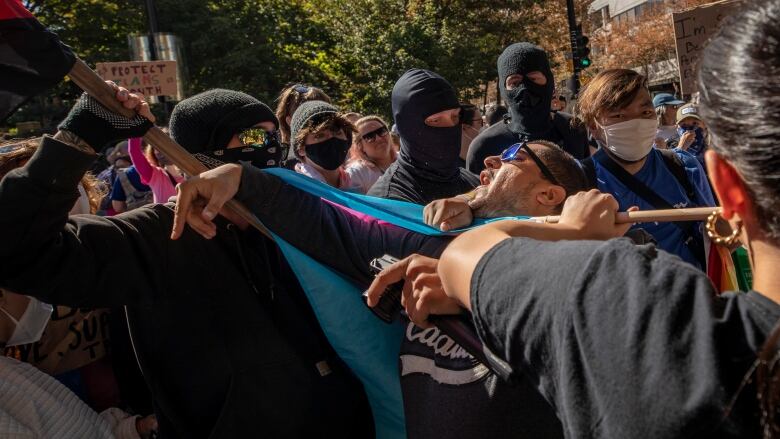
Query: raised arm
[337, 237]
[140, 161]
[83, 260]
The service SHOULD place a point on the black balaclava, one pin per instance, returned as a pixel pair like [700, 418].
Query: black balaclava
[529, 103]
[204, 124]
[427, 151]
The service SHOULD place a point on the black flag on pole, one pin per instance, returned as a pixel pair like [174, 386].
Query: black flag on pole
[32, 59]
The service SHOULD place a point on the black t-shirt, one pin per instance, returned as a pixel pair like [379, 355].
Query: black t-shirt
[625, 341]
[498, 137]
[404, 182]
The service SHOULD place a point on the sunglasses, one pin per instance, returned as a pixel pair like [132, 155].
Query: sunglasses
[301, 89]
[257, 137]
[370, 136]
[512, 154]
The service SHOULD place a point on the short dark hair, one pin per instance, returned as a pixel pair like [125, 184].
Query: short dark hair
[740, 102]
[563, 166]
[332, 121]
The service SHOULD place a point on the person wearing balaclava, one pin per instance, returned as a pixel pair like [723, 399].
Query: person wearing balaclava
[320, 137]
[527, 85]
[427, 115]
[223, 333]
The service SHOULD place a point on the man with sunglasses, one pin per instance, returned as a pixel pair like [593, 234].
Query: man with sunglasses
[532, 179]
[227, 342]
[446, 392]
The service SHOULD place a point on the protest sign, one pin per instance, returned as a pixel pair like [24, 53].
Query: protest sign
[152, 78]
[73, 338]
[692, 29]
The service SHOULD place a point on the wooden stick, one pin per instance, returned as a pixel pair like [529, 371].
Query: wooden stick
[651, 216]
[89, 81]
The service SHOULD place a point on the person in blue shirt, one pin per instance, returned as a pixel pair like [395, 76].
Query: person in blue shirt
[617, 109]
[128, 192]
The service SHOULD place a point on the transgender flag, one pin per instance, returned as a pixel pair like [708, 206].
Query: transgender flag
[32, 59]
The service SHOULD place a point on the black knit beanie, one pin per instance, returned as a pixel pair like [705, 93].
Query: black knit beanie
[208, 120]
[306, 112]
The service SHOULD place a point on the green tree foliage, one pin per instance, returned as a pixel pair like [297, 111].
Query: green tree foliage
[355, 49]
[377, 40]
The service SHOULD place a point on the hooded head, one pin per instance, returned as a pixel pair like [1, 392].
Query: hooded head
[434, 151]
[206, 123]
[528, 101]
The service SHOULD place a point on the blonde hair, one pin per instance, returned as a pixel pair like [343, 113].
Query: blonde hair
[609, 90]
[18, 157]
[356, 152]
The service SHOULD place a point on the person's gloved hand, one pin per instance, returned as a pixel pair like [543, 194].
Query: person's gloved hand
[98, 126]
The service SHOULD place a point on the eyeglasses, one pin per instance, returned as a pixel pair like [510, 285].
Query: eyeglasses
[511, 154]
[256, 136]
[371, 136]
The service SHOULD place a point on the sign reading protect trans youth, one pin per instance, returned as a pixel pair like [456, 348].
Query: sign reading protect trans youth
[152, 78]
[692, 29]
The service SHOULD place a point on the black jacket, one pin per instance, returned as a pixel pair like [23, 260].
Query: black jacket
[499, 136]
[226, 341]
[428, 165]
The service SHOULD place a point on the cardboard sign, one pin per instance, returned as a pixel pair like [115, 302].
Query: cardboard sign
[692, 29]
[72, 339]
[152, 78]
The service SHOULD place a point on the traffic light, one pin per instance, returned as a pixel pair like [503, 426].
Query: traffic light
[582, 57]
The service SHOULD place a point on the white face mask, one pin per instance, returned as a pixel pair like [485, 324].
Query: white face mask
[630, 140]
[30, 326]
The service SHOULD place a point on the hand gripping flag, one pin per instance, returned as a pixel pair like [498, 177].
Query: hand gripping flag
[367, 345]
[32, 59]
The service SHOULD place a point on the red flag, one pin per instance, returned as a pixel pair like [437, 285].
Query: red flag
[32, 59]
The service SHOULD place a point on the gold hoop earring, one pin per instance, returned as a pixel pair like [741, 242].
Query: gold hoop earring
[712, 231]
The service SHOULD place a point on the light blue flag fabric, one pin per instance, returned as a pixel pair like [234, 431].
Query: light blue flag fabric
[367, 345]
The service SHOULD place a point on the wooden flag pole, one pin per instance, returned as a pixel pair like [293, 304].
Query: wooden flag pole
[89, 81]
[651, 216]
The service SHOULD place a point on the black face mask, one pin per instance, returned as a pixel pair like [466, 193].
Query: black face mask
[528, 102]
[266, 155]
[432, 152]
[329, 154]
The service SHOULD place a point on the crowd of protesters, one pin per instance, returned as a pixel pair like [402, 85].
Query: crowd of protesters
[133, 305]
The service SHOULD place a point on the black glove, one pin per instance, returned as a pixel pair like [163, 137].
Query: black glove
[98, 126]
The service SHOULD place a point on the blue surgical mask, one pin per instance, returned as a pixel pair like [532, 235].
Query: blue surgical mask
[698, 145]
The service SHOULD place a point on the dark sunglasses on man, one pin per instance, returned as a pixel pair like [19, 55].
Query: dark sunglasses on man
[370, 137]
[260, 138]
[512, 154]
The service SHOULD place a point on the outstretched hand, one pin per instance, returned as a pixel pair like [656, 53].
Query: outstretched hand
[201, 198]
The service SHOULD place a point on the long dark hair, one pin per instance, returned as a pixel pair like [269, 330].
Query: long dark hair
[739, 83]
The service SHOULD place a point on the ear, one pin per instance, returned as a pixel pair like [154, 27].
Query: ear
[551, 195]
[728, 185]
[595, 131]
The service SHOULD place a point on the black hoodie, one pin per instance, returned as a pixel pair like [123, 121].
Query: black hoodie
[427, 168]
[529, 110]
